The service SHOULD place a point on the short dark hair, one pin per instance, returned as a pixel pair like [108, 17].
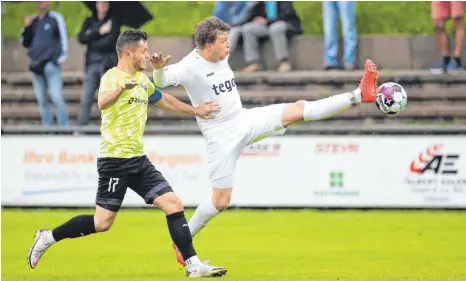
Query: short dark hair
[207, 30]
[129, 38]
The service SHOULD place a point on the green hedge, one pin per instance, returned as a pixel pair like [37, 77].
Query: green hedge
[179, 18]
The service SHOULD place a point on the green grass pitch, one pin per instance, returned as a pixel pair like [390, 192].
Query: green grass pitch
[254, 245]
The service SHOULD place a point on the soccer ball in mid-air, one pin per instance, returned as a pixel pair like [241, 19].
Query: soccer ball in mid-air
[391, 98]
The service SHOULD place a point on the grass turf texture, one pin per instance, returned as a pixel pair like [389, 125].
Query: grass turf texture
[373, 17]
[254, 245]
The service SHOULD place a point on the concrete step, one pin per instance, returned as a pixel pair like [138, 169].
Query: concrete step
[414, 110]
[292, 78]
[261, 95]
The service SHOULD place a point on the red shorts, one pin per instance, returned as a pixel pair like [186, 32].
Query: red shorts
[442, 10]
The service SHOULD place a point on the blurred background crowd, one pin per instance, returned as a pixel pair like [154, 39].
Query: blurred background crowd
[45, 35]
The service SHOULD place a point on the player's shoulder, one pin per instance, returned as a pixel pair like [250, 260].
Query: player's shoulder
[190, 60]
[111, 73]
[144, 80]
[141, 76]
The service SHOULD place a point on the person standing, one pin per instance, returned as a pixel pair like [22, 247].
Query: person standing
[100, 33]
[45, 37]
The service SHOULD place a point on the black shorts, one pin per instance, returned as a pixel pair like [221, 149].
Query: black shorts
[137, 173]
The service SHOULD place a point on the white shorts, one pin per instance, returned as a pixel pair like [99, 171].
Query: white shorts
[225, 144]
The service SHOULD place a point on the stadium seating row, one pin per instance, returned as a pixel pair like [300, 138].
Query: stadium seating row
[431, 97]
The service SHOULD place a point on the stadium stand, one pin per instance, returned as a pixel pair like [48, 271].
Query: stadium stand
[431, 97]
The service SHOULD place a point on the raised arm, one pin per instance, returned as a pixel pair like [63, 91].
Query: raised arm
[27, 32]
[168, 75]
[110, 90]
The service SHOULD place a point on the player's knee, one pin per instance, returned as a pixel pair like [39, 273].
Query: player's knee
[293, 112]
[102, 225]
[221, 203]
[299, 107]
[175, 203]
[104, 218]
[169, 203]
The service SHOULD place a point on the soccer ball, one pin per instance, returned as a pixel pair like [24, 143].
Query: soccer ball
[391, 98]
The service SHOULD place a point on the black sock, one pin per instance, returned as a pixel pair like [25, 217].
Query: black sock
[446, 61]
[76, 227]
[181, 235]
[458, 61]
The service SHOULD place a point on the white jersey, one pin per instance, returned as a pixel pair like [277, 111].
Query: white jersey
[204, 81]
[233, 127]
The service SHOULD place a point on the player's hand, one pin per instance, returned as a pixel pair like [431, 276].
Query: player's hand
[158, 60]
[27, 20]
[106, 28]
[261, 20]
[204, 110]
[129, 84]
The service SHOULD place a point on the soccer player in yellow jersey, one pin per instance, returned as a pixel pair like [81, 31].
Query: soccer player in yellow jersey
[124, 94]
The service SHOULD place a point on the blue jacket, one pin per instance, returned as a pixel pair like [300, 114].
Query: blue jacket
[46, 39]
[234, 12]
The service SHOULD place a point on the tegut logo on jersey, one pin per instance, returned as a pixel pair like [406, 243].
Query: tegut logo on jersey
[226, 86]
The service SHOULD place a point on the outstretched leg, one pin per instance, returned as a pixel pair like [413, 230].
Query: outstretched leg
[78, 226]
[325, 108]
[111, 191]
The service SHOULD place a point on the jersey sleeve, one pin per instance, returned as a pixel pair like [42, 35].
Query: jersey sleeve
[172, 75]
[108, 82]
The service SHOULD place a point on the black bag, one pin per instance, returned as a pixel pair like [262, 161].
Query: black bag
[38, 67]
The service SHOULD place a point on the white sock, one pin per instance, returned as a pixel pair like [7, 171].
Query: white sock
[203, 214]
[325, 108]
[193, 260]
[49, 237]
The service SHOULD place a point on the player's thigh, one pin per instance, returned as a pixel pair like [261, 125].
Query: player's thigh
[111, 191]
[265, 122]
[149, 183]
[222, 157]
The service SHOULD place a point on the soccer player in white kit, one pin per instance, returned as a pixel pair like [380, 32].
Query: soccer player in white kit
[206, 76]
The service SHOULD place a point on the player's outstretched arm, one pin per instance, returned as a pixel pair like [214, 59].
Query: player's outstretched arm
[163, 75]
[204, 111]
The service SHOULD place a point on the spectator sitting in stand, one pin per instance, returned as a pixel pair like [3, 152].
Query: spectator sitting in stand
[234, 13]
[278, 21]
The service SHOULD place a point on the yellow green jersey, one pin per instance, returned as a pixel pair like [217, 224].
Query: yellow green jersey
[123, 122]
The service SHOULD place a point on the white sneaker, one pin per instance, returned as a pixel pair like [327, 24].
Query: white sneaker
[38, 248]
[204, 270]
